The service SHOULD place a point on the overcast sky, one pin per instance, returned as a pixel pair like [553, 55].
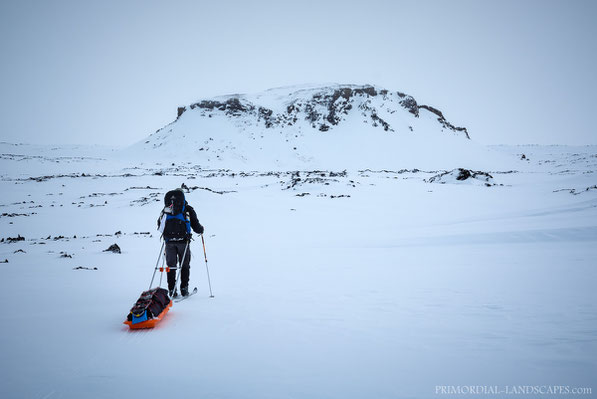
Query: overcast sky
[114, 71]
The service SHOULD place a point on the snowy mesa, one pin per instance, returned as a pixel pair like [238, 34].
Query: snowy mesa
[326, 107]
[322, 126]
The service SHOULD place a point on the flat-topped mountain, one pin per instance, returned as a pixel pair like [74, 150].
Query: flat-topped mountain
[326, 126]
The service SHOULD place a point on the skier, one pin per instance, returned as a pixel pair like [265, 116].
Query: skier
[175, 223]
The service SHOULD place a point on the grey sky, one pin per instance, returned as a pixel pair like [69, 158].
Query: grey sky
[114, 71]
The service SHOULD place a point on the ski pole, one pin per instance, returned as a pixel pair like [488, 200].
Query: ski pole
[211, 295]
[156, 265]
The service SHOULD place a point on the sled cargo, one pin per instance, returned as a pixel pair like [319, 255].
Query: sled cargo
[150, 308]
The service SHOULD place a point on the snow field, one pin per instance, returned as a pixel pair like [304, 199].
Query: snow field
[400, 287]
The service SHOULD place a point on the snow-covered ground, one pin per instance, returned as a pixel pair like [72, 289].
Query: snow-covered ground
[330, 284]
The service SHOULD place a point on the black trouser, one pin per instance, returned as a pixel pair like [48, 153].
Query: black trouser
[174, 253]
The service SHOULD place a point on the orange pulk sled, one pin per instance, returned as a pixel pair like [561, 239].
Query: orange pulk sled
[149, 309]
[153, 304]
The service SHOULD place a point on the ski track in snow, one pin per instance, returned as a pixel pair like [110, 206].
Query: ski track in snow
[372, 284]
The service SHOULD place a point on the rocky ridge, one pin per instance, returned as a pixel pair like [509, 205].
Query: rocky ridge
[324, 108]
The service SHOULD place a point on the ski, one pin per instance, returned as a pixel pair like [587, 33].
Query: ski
[182, 298]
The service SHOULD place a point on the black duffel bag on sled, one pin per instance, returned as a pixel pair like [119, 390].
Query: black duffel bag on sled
[149, 308]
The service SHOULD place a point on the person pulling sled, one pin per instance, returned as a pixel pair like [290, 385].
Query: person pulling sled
[175, 223]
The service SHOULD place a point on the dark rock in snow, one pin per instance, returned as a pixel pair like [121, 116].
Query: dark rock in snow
[443, 121]
[462, 174]
[12, 215]
[142, 188]
[113, 248]
[15, 239]
[466, 173]
[84, 268]
[209, 189]
[574, 191]
[409, 104]
[232, 106]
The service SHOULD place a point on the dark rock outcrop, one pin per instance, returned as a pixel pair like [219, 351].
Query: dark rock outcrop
[15, 239]
[113, 248]
[443, 121]
[232, 107]
[461, 174]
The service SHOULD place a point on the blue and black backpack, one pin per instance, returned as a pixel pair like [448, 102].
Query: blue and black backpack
[178, 225]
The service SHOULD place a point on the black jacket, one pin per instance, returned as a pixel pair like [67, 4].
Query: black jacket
[192, 215]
